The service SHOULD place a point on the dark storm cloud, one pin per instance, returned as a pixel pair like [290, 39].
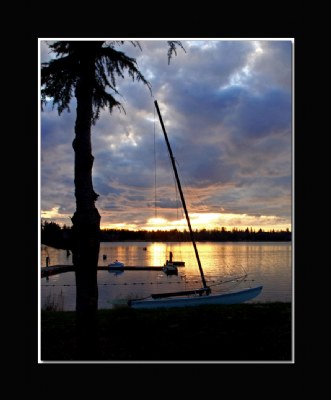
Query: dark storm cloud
[262, 115]
[226, 106]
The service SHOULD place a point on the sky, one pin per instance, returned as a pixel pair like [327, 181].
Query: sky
[227, 109]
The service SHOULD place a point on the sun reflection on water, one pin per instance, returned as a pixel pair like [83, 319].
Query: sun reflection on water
[269, 264]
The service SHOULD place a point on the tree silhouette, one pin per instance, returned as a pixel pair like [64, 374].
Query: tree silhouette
[88, 71]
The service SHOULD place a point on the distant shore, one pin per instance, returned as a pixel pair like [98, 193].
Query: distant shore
[59, 237]
[243, 332]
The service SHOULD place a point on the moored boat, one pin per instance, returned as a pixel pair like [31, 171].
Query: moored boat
[196, 299]
[116, 265]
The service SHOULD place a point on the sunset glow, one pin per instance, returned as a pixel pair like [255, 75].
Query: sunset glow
[210, 221]
[227, 108]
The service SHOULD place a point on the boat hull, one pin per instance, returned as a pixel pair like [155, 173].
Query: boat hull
[194, 301]
[170, 269]
[116, 265]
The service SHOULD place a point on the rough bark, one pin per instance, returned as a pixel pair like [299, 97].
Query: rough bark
[86, 220]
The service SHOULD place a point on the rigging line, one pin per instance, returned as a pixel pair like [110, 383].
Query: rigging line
[178, 203]
[179, 206]
[192, 194]
[185, 189]
[155, 194]
[183, 200]
[177, 190]
[236, 280]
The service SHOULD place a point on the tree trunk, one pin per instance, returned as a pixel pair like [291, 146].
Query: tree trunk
[86, 219]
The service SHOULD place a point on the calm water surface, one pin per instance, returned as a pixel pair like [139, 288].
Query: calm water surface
[268, 264]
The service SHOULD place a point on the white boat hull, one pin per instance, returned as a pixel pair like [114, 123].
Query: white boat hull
[189, 301]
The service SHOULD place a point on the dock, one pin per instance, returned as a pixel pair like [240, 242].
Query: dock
[58, 269]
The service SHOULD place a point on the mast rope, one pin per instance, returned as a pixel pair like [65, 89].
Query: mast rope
[155, 191]
[183, 200]
[236, 280]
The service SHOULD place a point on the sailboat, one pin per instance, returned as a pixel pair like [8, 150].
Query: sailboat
[170, 267]
[199, 296]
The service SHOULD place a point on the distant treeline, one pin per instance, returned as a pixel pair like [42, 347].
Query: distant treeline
[56, 236]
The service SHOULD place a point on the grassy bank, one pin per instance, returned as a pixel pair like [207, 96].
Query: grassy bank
[244, 332]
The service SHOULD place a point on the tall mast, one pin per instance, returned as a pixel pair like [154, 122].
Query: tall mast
[182, 197]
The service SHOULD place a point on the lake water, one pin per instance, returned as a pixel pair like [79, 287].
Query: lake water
[224, 264]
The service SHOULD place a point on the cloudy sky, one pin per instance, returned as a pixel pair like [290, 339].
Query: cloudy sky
[227, 110]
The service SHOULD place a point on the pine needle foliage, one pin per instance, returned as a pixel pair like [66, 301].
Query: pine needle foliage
[60, 76]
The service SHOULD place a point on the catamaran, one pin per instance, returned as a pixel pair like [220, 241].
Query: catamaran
[199, 296]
